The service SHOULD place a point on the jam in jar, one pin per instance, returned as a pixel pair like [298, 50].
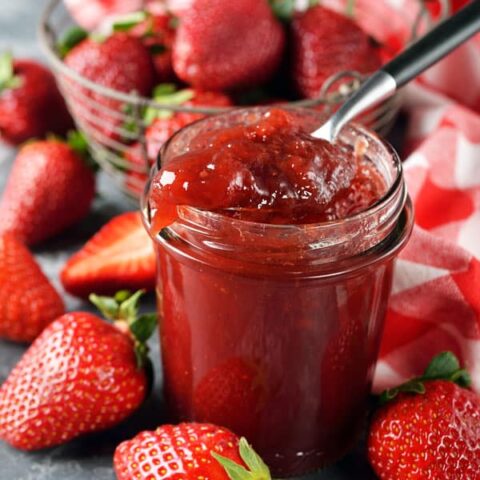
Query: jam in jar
[275, 258]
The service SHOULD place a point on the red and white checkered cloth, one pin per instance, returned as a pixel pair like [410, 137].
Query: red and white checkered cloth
[435, 302]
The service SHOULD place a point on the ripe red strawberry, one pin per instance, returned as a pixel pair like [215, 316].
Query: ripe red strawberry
[227, 45]
[28, 302]
[157, 33]
[30, 103]
[324, 43]
[80, 375]
[189, 451]
[120, 62]
[231, 395]
[50, 188]
[431, 428]
[164, 124]
[120, 255]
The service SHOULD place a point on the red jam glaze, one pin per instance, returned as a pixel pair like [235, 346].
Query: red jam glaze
[271, 171]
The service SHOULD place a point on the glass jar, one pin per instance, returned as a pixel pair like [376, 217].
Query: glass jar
[273, 330]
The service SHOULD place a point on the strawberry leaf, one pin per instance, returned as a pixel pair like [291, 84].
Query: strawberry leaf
[167, 94]
[144, 326]
[283, 9]
[233, 469]
[70, 39]
[350, 8]
[257, 470]
[128, 309]
[7, 77]
[108, 306]
[253, 460]
[127, 22]
[444, 366]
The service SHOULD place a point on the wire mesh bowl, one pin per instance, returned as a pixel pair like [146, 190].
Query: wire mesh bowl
[97, 109]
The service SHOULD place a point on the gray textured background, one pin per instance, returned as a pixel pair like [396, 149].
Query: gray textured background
[89, 457]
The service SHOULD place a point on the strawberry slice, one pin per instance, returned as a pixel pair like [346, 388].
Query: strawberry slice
[119, 256]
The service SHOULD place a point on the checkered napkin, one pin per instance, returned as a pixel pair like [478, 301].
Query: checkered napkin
[435, 302]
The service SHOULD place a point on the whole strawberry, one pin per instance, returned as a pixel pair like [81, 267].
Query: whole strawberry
[50, 188]
[162, 124]
[189, 451]
[119, 62]
[324, 43]
[28, 302]
[430, 427]
[227, 45]
[80, 375]
[119, 255]
[157, 34]
[30, 103]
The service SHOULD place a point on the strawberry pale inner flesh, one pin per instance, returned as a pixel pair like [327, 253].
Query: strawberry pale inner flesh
[270, 171]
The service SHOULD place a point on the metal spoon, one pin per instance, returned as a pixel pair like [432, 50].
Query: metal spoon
[431, 48]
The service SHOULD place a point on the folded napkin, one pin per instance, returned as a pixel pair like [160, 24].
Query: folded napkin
[435, 303]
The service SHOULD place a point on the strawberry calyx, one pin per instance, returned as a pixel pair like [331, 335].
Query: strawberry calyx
[123, 311]
[284, 10]
[8, 79]
[167, 93]
[125, 23]
[72, 37]
[256, 468]
[444, 366]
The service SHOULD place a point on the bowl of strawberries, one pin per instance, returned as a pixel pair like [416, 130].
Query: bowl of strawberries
[133, 73]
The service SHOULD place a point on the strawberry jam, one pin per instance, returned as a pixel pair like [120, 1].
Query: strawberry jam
[271, 171]
[275, 255]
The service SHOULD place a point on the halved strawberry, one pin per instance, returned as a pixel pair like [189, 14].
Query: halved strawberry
[119, 256]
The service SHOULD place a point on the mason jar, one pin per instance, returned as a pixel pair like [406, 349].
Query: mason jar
[273, 330]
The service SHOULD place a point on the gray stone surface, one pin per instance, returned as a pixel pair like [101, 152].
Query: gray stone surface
[89, 457]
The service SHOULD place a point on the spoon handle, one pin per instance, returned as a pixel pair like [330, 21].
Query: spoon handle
[381, 85]
[428, 50]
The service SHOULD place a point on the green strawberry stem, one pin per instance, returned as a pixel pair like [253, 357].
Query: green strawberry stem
[444, 366]
[256, 468]
[72, 37]
[350, 8]
[285, 9]
[8, 79]
[129, 21]
[123, 311]
[166, 93]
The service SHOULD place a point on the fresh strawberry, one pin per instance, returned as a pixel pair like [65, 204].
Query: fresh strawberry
[430, 427]
[50, 188]
[163, 124]
[120, 255]
[157, 33]
[80, 375]
[227, 45]
[30, 103]
[231, 395]
[189, 451]
[120, 62]
[324, 43]
[28, 302]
